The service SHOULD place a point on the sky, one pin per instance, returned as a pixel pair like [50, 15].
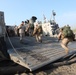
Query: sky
[16, 11]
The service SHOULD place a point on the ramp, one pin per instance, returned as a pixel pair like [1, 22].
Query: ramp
[34, 57]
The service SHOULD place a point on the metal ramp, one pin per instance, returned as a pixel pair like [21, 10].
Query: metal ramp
[34, 57]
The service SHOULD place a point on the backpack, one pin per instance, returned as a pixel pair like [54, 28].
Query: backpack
[67, 32]
[31, 26]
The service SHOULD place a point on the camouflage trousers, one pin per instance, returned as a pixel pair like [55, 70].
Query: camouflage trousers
[64, 43]
[38, 37]
[31, 32]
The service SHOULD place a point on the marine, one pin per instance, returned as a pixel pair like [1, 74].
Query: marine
[66, 35]
[38, 33]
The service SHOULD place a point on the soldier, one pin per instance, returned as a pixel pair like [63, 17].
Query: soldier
[21, 28]
[16, 30]
[30, 27]
[38, 33]
[66, 37]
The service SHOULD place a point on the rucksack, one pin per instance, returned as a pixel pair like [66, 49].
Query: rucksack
[67, 32]
[31, 26]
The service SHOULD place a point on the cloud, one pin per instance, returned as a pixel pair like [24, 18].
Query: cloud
[67, 18]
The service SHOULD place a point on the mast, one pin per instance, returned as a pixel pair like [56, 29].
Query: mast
[54, 14]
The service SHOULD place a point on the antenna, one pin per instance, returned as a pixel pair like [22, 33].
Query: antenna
[53, 14]
[44, 18]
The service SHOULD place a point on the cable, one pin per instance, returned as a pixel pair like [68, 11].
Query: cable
[12, 44]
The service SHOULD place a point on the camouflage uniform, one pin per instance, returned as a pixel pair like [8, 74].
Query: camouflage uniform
[65, 40]
[38, 33]
[30, 29]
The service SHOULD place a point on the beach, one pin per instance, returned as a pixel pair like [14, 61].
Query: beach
[65, 66]
[67, 69]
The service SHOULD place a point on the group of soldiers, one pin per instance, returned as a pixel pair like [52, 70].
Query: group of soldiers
[34, 30]
[37, 32]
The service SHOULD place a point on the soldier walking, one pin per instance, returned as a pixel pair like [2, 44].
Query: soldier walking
[38, 33]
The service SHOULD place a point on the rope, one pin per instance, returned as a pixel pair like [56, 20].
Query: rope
[12, 45]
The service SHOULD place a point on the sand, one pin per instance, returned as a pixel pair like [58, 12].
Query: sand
[62, 70]
[56, 69]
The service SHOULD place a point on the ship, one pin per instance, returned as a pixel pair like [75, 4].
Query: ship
[49, 27]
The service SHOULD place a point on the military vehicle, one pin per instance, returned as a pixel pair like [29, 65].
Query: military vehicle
[3, 49]
[50, 27]
[2, 24]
